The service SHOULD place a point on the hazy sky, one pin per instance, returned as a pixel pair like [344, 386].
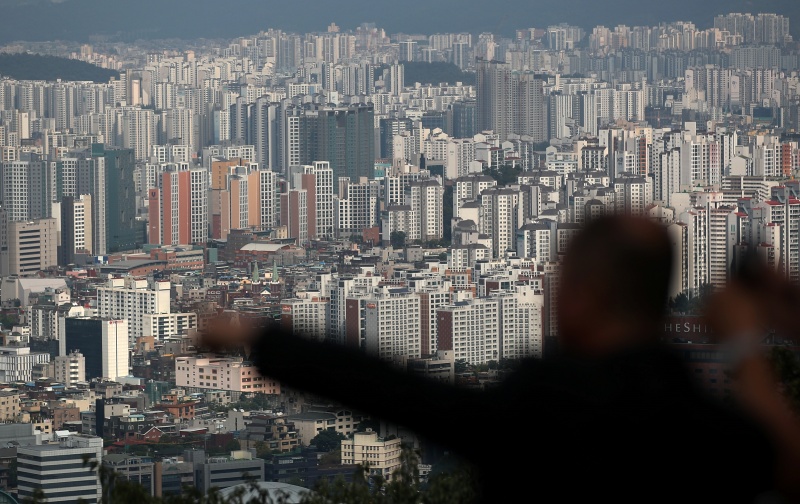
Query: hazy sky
[77, 19]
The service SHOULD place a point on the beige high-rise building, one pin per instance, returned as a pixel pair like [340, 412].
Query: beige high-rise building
[27, 247]
[75, 227]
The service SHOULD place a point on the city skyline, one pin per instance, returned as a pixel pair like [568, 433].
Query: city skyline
[189, 20]
[450, 203]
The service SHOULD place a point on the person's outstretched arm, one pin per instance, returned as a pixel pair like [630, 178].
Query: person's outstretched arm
[432, 409]
[739, 315]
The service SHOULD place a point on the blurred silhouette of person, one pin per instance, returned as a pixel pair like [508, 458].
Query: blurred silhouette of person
[759, 302]
[615, 416]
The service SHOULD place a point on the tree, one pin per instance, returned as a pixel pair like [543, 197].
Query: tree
[504, 174]
[369, 423]
[263, 451]
[234, 445]
[258, 401]
[398, 239]
[447, 213]
[682, 303]
[328, 440]
[455, 483]
[331, 458]
[24, 66]
[432, 73]
[12, 474]
[8, 321]
[787, 369]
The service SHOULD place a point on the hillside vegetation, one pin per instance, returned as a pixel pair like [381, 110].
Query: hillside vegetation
[25, 66]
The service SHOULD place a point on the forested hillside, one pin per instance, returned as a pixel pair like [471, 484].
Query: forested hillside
[24, 66]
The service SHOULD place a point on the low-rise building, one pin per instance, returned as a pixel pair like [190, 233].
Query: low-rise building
[223, 472]
[60, 471]
[382, 455]
[278, 433]
[132, 468]
[17, 362]
[9, 406]
[172, 475]
[222, 373]
[68, 369]
[440, 367]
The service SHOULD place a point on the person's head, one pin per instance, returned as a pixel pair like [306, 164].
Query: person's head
[613, 285]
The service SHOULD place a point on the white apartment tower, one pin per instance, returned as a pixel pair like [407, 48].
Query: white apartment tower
[499, 218]
[425, 199]
[697, 252]
[267, 199]
[139, 131]
[130, 299]
[782, 210]
[471, 329]
[391, 322]
[521, 323]
[317, 180]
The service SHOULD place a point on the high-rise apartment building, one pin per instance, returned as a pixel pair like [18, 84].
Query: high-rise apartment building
[27, 247]
[123, 231]
[294, 214]
[392, 324]
[27, 187]
[500, 218]
[341, 135]
[464, 118]
[317, 181]
[430, 300]
[130, 299]
[242, 196]
[76, 228]
[521, 323]
[510, 102]
[781, 212]
[178, 210]
[425, 199]
[139, 132]
[471, 329]
[357, 207]
[306, 316]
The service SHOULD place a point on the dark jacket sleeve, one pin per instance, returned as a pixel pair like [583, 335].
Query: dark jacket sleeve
[431, 409]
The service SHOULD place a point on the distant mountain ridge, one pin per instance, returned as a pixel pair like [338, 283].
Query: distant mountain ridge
[127, 20]
[24, 66]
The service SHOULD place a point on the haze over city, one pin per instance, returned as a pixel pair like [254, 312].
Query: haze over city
[79, 19]
[328, 251]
